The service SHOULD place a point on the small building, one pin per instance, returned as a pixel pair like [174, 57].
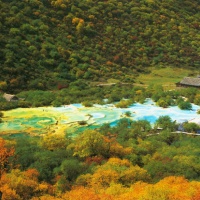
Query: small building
[189, 82]
[10, 97]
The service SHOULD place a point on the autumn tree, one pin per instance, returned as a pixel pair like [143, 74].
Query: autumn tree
[22, 185]
[5, 154]
[89, 143]
[54, 141]
[115, 170]
[80, 192]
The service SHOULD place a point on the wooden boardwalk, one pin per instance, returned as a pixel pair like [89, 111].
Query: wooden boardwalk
[196, 134]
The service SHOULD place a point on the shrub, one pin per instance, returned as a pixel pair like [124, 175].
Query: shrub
[185, 105]
[162, 103]
[191, 127]
[1, 114]
[87, 104]
[82, 123]
[123, 104]
[128, 113]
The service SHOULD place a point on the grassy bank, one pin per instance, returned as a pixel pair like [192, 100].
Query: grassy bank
[167, 77]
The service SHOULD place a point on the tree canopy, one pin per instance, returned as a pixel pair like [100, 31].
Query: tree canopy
[54, 42]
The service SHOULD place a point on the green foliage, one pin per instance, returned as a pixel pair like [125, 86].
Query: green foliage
[179, 100]
[180, 158]
[47, 161]
[87, 104]
[80, 91]
[191, 127]
[1, 114]
[8, 105]
[168, 137]
[25, 151]
[90, 143]
[77, 41]
[124, 154]
[61, 44]
[185, 105]
[128, 114]
[140, 128]
[165, 122]
[38, 98]
[162, 103]
[124, 104]
[197, 99]
[46, 158]
[71, 169]
[56, 103]
[165, 101]
[82, 123]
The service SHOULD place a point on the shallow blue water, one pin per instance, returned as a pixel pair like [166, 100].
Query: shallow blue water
[149, 111]
[100, 114]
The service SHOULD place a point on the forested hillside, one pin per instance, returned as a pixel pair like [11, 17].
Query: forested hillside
[45, 43]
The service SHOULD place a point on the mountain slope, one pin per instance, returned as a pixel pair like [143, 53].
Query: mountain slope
[50, 42]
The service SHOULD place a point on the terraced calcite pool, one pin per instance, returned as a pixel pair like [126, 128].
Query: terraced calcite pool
[42, 120]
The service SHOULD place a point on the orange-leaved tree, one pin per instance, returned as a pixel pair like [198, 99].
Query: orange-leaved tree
[5, 155]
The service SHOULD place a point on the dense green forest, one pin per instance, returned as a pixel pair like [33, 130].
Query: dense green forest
[50, 43]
